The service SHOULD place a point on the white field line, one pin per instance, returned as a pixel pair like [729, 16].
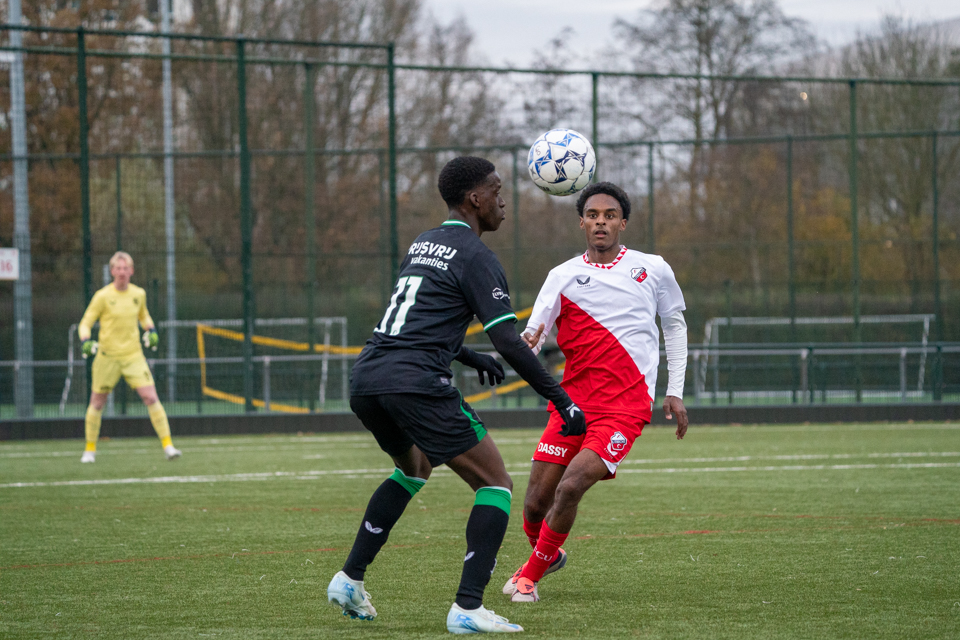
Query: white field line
[111, 449]
[810, 456]
[311, 475]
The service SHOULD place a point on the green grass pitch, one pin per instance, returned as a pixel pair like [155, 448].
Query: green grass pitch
[817, 531]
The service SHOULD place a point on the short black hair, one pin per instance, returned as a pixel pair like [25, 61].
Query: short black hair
[607, 188]
[460, 175]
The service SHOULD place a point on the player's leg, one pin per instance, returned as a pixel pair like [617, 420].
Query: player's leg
[105, 374]
[384, 509]
[586, 469]
[607, 442]
[483, 469]
[138, 377]
[544, 478]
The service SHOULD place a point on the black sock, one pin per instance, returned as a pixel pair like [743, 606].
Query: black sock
[384, 509]
[485, 530]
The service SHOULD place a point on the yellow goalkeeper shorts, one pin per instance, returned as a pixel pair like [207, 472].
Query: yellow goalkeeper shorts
[107, 371]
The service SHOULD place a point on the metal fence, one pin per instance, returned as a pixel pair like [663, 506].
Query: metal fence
[265, 194]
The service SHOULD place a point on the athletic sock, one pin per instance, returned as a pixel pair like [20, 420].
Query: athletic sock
[91, 427]
[485, 530]
[384, 509]
[532, 529]
[158, 418]
[544, 553]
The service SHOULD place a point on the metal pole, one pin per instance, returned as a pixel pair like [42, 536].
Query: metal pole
[386, 270]
[310, 221]
[651, 240]
[855, 238]
[515, 186]
[791, 273]
[119, 205]
[23, 287]
[84, 167]
[392, 168]
[595, 108]
[169, 202]
[246, 229]
[937, 309]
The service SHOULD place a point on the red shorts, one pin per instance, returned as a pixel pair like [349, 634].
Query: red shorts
[609, 436]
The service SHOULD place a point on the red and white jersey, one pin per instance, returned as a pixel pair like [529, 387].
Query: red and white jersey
[606, 327]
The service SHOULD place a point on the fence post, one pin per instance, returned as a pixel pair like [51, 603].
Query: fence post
[266, 383]
[938, 375]
[310, 222]
[119, 191]
[515, 187]
[651, 240]
[791, 267]
[937, 310]
[392, 165]
[84, 166]
[23, 288]
[246, 229]
[855, 239]
[594, 120]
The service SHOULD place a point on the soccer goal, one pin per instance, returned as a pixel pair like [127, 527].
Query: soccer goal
[795, 357]
[289, 376]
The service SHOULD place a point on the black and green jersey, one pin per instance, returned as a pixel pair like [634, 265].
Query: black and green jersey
[447, 277]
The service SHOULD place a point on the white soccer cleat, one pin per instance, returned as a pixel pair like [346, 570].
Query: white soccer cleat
[478, 621]
[558, 563]
[89, 456]
[351, 596]
[526, 591]
[172, 452]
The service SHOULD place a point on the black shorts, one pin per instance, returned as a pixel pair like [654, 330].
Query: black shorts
[442, 426]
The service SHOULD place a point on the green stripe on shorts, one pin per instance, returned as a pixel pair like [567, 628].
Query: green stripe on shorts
[478, 427]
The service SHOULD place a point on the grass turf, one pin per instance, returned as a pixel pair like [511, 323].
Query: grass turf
[840, 531]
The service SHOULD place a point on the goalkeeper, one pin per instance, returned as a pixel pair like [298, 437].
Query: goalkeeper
[119, 306]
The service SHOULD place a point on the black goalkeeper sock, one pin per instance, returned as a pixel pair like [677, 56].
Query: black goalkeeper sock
[384, 509]
[485, 530]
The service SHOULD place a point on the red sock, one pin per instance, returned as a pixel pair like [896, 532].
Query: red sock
[532, 529]
[544, 553]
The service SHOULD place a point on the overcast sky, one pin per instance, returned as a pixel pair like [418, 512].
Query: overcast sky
[507, 31]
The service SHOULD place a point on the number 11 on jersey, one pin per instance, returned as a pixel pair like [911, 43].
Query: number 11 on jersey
[411, 284]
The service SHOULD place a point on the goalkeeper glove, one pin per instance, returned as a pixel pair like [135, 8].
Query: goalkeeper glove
[574, 420]
[88, 348]
[151, 339]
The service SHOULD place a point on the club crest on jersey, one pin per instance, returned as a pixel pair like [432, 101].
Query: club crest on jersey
[499, 294]
[618, 442]
[583, 282]
[638, 273]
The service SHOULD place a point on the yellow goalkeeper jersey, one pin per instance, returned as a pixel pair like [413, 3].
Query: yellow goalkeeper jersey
[118, 313]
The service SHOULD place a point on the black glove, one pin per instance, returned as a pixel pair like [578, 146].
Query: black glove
[483, 364]
[574, 421]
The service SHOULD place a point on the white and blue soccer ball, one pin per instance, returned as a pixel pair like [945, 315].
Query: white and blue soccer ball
[561, 162]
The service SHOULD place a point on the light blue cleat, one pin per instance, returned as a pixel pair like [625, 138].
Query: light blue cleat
[478, 621]
[351, 596]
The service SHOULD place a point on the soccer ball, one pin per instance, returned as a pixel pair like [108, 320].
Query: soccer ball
[561, 162]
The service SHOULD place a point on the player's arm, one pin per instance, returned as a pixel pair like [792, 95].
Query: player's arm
[85, 329]
[150, 337]
[670, 306]
[675, 344]
[519, 356]
[544, 314]
[486, 291]
[483, 363]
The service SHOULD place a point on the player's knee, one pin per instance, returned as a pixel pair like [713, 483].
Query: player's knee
[537, 502]
[568, 493]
